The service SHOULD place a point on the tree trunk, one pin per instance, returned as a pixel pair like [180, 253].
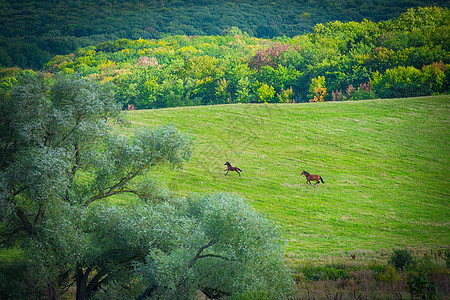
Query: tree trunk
[148, 291]
[52, 292]
[82, 284]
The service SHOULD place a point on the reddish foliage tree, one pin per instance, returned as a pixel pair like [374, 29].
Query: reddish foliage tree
[270, 56]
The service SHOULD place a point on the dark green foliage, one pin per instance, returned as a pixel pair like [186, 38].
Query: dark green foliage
[34, 31]
[16, 282]
[327, 272]
[420, 280]
[401, 259]
[446, 256]
[358, 61]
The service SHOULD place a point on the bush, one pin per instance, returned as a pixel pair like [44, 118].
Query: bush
[390, 275]
[16, 282]
[363, 92]
[401, 259]
[317, 89]
[326, 272]
[420, 280]
[400, 82]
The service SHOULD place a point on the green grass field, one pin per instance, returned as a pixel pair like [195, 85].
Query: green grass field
[385, 164]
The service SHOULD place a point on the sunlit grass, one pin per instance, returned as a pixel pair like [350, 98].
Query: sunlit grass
[385, 164]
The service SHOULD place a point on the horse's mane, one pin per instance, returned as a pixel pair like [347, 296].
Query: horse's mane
[305, 172]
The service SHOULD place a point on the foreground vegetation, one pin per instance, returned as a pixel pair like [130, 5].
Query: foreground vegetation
[61, 233]
[403, 276]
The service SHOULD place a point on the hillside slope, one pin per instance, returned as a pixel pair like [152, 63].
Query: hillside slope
[385, 164]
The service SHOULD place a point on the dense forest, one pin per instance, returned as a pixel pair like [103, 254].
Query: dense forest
[32, 31]
[402, 57]
[341, 60]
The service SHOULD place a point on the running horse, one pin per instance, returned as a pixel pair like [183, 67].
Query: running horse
[230, 168]
[310, 177]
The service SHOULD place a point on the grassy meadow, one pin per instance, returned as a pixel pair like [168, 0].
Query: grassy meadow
[385, 164]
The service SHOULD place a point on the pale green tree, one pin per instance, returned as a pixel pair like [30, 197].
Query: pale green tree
[60, 156]
[65, 166]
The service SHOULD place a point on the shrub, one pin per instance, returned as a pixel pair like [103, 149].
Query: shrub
[337, 95]
[447, 257]
[420, 281]
[326, 272]
[400, 82]
[286, 96]
[435, 77]
[317, 89]
[401, 258]
[364, 92]
[265, 93]
[390, 275]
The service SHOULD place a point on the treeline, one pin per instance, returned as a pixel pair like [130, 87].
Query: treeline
[32, 31]
[407, 56]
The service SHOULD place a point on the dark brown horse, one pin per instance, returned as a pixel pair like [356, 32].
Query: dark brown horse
[230, 168]
[310, 177]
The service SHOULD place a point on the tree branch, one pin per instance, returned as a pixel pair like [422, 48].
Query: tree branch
[67, 287]
[5, 238]
[125, 180]
[70, 133]
[39, 213]
[197, 256]
[5, 151]
[216, 256]
[148, 291]
[15, 193]
[25, 222]
[96, 281]
[101, 276]
[214, 294]
[111, 191]
[118, 251]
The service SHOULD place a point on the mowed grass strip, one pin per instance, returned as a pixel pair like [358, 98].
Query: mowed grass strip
[385, 164]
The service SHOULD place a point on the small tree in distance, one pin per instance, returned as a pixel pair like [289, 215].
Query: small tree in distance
[317, 89]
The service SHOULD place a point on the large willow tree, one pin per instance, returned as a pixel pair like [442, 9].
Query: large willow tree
[66, 228]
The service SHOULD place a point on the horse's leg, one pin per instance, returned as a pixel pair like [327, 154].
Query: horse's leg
[227, 171]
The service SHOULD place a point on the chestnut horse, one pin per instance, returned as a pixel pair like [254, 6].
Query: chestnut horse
[230, 168]
[310, 177]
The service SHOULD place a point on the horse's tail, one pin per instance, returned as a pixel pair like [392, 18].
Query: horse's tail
[239, 170]
[321, 179]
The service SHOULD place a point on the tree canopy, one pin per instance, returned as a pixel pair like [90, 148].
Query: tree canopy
[33, 31]
[63, 228]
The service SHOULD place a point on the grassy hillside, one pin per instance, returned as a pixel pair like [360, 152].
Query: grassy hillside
[385, 164]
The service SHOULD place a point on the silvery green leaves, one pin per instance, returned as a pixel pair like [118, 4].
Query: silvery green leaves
[224, 248]
[117, 165]
[61, 152]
